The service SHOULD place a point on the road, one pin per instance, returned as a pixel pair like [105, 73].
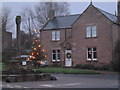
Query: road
[70, 81]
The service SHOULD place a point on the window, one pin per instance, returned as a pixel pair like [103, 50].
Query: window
[88, 32]
[55, 35]
[56, 55]
[94, 54]
[89, 57]
[24, 63]
[91, 54]
[91, 31]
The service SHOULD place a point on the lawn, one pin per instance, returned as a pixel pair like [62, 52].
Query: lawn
[57, 70]
[2, 66]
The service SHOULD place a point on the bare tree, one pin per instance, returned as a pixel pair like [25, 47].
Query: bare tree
[35, 19]
[42, 10]
[27, 19]
[5, 19]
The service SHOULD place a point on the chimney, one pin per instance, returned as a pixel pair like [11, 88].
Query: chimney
[51, 12]
[118, 11]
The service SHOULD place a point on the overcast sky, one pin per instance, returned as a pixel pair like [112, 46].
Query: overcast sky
[74, 7]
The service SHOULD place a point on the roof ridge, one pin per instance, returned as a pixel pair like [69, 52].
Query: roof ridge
[67, 15]
[106, 11]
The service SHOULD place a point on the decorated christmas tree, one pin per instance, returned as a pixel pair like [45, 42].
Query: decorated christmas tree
[37, 52]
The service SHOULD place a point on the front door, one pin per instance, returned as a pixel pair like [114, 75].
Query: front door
[68, 58]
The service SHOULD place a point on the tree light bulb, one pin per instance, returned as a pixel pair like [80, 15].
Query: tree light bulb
[35, 49]
[43, 50]
[39, 45]
[32, 54]
[33, 57]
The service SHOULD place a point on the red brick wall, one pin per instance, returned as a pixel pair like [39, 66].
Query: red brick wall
[49, 45]
[103, 41]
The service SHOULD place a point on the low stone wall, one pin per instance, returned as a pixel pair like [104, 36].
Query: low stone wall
[17, 64]
[28, 77]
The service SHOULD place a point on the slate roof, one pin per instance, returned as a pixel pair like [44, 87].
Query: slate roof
[62, 22]
[109, 15]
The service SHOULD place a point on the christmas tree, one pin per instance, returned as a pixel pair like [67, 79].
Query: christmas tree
[37, 52]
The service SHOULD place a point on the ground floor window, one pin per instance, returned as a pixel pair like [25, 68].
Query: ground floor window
[91, 54]
[56, 55]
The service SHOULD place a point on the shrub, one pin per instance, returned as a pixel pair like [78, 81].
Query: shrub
[8, 55]
[56, 65]
[115, 63]
[107, 67]
[85, 66]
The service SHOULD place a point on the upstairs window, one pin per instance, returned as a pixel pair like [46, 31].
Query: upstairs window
[55, 35]
[91, 31]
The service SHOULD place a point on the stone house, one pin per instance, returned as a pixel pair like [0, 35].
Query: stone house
[87, 38]
[6, 41]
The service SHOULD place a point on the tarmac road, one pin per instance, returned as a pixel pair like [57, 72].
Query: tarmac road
[70, 81]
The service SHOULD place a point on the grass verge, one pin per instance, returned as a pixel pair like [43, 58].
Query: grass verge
[2, 66]
[57, 70]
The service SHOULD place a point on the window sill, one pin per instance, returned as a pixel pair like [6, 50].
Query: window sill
[91, 60]
[56, 61]
[55, 40]
[88, 60]
[90, 37]
[95, 60]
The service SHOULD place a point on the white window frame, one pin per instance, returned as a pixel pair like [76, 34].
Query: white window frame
[55, 35]
[24, 63]
[87, 55]
[92, 30]
[56, 55]
[92, 53]
[94, 59]
[88, 31]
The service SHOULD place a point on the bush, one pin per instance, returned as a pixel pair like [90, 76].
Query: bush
[85, 66]
[115, 63]
[22, 71]
[8, 55]
[56, 65]
[107, 67]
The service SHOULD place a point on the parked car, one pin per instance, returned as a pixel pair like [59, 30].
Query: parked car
[43, 63]
[25, 57]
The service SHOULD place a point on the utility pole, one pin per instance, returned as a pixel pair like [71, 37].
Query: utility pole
[18, 22]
